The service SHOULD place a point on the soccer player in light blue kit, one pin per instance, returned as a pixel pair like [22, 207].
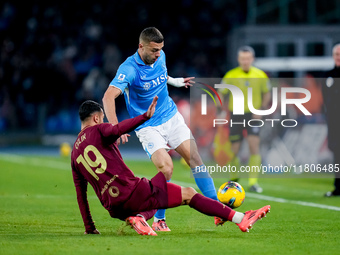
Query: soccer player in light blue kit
[140, 78]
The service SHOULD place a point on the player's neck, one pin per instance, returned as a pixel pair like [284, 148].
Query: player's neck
[86, 125]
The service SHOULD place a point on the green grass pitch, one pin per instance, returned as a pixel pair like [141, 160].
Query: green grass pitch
[39, 215]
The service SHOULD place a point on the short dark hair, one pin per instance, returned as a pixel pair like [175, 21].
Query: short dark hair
[246, 49]
[151, 34]
[87, 108]
[334, 47]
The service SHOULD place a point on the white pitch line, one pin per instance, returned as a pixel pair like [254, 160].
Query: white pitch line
[63, 166]
[35, 161]
[296, 202]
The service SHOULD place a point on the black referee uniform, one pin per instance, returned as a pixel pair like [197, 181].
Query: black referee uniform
[331, 95]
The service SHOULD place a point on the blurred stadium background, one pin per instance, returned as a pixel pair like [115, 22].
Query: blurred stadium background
[55, 54]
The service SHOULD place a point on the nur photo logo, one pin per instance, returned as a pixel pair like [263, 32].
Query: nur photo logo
[280, 99]
[204, 97]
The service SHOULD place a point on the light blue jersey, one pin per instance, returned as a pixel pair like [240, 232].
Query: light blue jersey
[140, 83]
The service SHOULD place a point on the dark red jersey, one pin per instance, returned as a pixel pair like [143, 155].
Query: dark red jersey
[96, 159]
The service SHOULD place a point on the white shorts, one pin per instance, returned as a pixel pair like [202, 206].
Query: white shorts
[168, 135]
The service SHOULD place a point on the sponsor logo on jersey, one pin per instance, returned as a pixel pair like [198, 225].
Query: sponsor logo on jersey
[155, 82]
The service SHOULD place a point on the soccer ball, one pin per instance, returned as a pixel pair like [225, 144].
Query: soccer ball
[231, 194]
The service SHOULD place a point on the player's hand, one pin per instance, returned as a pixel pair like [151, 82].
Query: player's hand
[152, 107]
[95, 232]
[124, 138]
[189, 81]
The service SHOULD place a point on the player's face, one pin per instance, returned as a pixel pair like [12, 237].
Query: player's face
[336, 56]
[150, 52]
[245, 60]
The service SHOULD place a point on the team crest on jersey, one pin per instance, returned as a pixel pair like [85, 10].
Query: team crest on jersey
[121, 77]
[147, 85]
[150, 145]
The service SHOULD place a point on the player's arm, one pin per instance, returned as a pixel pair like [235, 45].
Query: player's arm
[113, 132]
[124, 76]
[109, 102]
[81, 190]
[181, 82]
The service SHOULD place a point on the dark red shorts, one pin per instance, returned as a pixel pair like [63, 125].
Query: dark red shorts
[156, 193]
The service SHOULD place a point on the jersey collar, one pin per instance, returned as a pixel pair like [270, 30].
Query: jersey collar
[138, 59]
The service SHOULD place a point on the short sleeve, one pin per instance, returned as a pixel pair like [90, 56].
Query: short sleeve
[125, 75]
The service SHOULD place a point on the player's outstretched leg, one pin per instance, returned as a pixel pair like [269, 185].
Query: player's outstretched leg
[250, 217]
[206, 184]
[188, 150]
[205, 205]
[139, 224]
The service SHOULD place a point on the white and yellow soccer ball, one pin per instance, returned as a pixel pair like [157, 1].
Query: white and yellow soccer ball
[231, 194]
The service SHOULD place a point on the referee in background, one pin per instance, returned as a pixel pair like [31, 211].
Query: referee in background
[331, 95]
[245, 76]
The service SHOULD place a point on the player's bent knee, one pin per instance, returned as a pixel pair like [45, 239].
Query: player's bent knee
[166, 170]
[187, 194]
[191, 191]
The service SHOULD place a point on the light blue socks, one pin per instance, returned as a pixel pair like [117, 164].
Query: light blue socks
[204, 182]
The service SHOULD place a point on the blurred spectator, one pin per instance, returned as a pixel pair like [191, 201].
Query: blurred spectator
[55, 54]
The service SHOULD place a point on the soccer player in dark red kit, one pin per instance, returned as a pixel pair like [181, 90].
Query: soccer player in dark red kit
[96, 160]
